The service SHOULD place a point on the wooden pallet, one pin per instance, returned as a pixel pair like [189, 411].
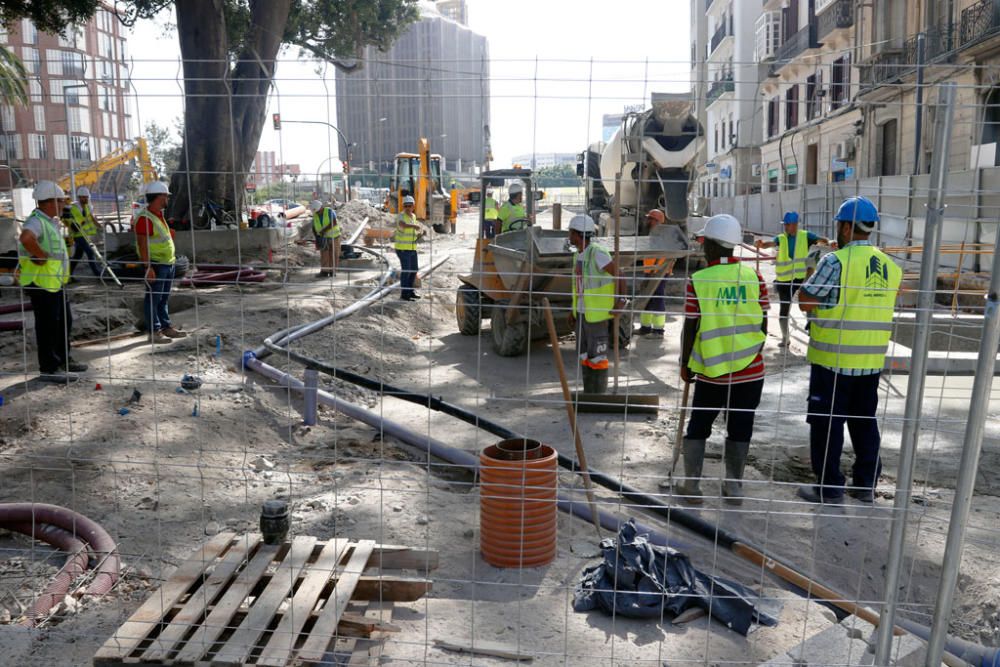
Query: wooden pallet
[238, 601]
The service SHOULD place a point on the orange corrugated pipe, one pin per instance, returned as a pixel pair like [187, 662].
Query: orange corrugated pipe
[517, 503]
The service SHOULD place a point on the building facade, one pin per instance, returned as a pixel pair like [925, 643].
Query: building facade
[544, 160]
[265, 169]
[83, 75]
[456, 10]
[433, 82]
[725, 78]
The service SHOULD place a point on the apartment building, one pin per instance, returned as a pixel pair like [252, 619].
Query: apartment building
[88, 69]
[725, 75]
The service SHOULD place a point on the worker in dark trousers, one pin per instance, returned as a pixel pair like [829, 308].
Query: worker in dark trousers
[724, 331]
[653, 320]
[405, 244]
[43, 271]
[851, 299]
[791, 265]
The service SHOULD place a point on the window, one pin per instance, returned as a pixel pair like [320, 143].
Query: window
[59, 147]
[28, 32]
[79, 120]
[792, 107]
[105, 46]
[35, 90]
[54, 62]
[723, 134]
[716, 141]
[78, 96]
[772, 116]
[887, 149]
[39, 114]
[732, 132]
[106, 71]
[73, 38]
[80, 146]
[31, 59]
[791, 181]
[840, 82]
[36, 147]
[3, 34]
[10, 147]
[7, 116]
[810, 97]
[772, 182]
[73, 64]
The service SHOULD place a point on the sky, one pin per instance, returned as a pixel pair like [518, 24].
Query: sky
[556, 66]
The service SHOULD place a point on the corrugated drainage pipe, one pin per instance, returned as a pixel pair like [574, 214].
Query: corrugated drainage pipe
[74, 566]
[517, 503]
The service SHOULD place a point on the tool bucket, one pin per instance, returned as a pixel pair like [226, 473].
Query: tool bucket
[517, 503]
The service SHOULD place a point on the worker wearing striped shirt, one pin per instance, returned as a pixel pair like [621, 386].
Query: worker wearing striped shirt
[724, 331]
[850, 298]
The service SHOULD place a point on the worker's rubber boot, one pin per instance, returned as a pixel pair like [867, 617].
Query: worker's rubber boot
[600, 380]
[736, 460]
[587, 375]
[694, 459]
[783, 323]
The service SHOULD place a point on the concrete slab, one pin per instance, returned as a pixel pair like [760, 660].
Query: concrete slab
[219, 244]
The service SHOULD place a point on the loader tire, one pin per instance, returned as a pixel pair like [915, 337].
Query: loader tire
[509, 340]
[468, 309]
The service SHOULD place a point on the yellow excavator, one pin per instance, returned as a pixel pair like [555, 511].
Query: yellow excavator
[419, 175]
[91, 175]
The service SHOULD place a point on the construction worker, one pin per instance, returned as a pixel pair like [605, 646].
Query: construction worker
[653, 319]
[491, 213]
[851, 298]
[43, 270]
[154, 240]
[327, 232]
[83, 230]
[595, 279]
[405, 243]
[724, 331]
[513, 209]
[790, 266]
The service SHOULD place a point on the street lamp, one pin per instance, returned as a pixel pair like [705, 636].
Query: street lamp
[347, 148]
[69, 136]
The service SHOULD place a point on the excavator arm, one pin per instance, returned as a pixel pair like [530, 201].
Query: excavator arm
[91, 175]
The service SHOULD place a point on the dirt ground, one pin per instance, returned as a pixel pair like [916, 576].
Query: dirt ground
[180, 466]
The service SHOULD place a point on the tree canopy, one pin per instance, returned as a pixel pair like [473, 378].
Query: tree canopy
[52, 16]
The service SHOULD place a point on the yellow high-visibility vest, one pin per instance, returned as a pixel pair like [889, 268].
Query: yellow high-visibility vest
[54, 273]
[319, 222]
[598, 287]
[491, 212]
[855, 333]
[405, 237]
[160, 244]
[790, 268]
[84, 219]
[730, 331]
[509, 213]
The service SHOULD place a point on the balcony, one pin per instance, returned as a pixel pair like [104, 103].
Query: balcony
[723, 31]
[802, 40]
[723, 85]
[979, 21]
[891, 64]
[837, 16]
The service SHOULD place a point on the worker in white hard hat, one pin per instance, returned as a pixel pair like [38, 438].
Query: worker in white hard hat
[512, 214]
[405, 244]
[724, 330]
[327, 232]
[154, 240]
[83, 230]
[43, 271]
[598, 290]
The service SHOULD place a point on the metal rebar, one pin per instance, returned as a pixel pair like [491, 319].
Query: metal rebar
[972, 446]
[915, 387]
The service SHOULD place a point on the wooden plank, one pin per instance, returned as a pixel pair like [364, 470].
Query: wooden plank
[353, 624]
[392, 589]
[239, 646]
[134, 631]
[279, 647]
[324, 631]
[369, 652]
[482, 647]
[191, 614]
[396, 557]
[220, 618]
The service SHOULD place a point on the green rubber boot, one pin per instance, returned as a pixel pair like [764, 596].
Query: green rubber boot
[694, 459]
[736, 460]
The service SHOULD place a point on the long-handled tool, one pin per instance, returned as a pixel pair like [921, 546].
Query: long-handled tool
[678, 437]
[97, 253]
[581, 456]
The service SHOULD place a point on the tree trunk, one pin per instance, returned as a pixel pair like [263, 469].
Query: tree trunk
[225, 102]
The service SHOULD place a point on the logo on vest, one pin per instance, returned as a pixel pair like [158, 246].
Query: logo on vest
[733, 294]
[876, 275]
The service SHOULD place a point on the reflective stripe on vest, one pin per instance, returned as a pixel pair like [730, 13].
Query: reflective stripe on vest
[855, 333]
[405, 238]
[319, 223]
[729, 330]
[598, 287]
[787, 267]
[54, 273]
[491, 212]
[159, 243]
[509, 213]
[84, 220]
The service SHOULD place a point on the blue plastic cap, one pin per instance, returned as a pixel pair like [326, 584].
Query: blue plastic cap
[790, 218]
[247, 356]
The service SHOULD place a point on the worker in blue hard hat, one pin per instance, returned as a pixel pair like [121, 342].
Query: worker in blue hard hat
[790, 265]
[851, 298]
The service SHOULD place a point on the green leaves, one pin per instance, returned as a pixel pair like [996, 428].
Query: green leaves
[13, 79]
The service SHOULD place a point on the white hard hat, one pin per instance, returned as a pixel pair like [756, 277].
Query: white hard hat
[82, 191]
[583, 224]
[724, 229]
[157, 188]
[409, 200]
[515, 189]
[47, 190]
[315, 205]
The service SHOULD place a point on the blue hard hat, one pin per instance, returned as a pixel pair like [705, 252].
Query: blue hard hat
[790, 218]
[858, 210]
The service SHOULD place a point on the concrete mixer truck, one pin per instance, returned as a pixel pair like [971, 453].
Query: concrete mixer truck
[651, 156]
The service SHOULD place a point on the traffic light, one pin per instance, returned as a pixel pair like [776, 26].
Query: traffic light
[276, 118]
[345, 166]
